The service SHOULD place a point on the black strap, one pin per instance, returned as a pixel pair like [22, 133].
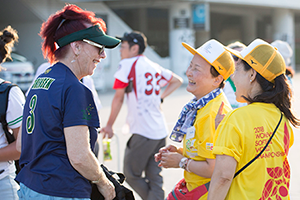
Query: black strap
[5, 87]
[131, 82]
[4, 92]
[257, 156]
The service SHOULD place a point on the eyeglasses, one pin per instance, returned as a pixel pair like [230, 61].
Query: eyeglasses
[101, 47]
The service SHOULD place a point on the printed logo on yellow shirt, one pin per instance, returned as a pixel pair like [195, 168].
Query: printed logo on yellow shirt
[278, 184]
[190, 144]
[209, 146]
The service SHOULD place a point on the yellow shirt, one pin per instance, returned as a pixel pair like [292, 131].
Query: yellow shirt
[199, 147]
[242, 134]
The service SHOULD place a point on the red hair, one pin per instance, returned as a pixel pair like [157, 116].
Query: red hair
[64, 22]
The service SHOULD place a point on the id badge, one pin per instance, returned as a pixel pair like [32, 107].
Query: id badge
[190, 132]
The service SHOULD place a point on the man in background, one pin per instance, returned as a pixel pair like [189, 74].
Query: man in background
[141, 80]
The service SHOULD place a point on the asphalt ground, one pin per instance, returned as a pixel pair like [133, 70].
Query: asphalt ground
[171, 107]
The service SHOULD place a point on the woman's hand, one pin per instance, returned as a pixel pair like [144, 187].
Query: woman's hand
[169, 148]
[170, 159]
[107, 189]
[219, 116]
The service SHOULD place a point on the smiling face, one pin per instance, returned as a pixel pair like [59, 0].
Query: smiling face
[90, 57]
[201, 81]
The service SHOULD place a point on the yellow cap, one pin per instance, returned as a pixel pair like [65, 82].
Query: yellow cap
[263, 58]
[216, 55]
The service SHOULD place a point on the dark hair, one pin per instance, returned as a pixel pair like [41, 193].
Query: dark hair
[215, 73]
[236, 45]
[289, 71]
[8, 37]
[64, 22]
[142, 41]
[278, 93]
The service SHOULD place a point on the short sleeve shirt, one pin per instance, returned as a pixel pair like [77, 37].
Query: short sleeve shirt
[144, 113]
[199, 147]
[14, 114]
[242, 134]
[56, 100]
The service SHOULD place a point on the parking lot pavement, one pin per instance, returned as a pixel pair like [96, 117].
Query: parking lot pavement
[172, 106]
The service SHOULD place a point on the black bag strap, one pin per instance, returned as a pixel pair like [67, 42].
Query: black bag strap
[5, 87]
[257, 156]
[130, 77]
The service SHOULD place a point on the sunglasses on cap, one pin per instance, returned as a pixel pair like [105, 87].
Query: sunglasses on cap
[101, 47]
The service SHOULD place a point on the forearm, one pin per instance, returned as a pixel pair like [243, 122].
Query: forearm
[202, 168]
[87, 165]
[222, 177]
[219, 187]
[9, 153]
[115, 107]
[19, 140]
[80, 154]
[175, 83]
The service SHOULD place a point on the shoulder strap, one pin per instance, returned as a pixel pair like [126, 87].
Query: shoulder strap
[131, 79]
[4, 92]
[257, 156]
[132, 70]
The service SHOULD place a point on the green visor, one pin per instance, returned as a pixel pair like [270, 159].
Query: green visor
[93, 33]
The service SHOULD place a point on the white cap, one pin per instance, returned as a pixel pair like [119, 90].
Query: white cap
[263, 58]
[284, 49]
[216, 55]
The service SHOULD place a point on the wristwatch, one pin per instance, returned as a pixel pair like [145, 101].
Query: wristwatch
[183, 162]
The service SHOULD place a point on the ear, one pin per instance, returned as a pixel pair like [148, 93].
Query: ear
[75, 46]
[135, 49]
[253, 74]
[218, 80]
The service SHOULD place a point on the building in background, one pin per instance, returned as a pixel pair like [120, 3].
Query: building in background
[166, 23]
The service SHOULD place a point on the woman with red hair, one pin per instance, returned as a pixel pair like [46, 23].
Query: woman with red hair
[60, 116]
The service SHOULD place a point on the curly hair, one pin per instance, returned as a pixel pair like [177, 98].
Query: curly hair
[8, 37]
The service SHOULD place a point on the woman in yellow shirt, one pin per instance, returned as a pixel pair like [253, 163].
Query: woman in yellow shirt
[209, 68]
[243, 133]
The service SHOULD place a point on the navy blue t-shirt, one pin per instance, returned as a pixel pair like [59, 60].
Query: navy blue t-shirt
[57, 100]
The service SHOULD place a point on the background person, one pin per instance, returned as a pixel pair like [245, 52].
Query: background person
[145, 118]
[229, 88]
[287, 52]
[208, 70]
[16, 100]
[60, 118]
[260, 81]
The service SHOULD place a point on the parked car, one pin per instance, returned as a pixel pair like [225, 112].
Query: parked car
[18, 70]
